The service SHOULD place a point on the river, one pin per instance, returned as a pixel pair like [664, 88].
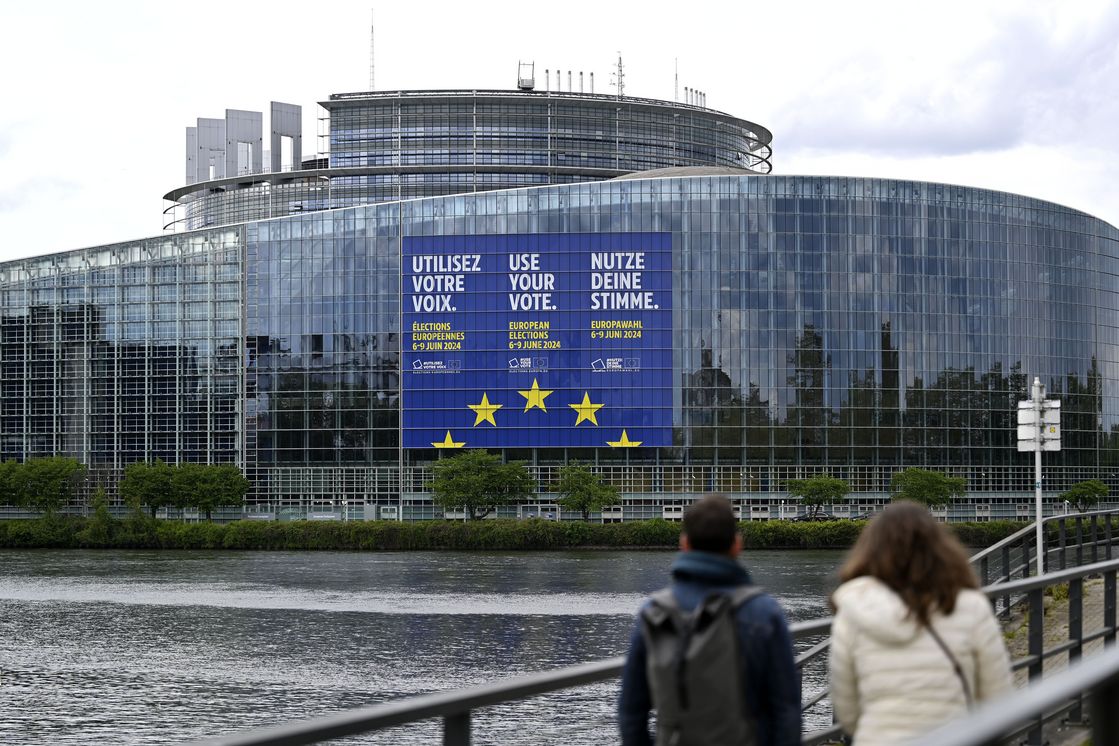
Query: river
[143, 647]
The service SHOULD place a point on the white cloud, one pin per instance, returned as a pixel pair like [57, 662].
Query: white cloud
[1009, 95]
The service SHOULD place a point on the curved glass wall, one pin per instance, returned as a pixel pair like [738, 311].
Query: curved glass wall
[532, 128]
[405, 145]
[818, 325]
[847, 326]
[124, 353]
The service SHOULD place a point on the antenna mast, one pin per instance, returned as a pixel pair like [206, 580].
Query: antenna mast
[620, 77]
[372, 85]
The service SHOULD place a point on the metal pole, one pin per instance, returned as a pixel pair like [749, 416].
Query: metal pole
[1040, 528]
[1038, 397]
[1036, 643]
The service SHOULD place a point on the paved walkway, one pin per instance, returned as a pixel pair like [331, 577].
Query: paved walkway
[1056, 632]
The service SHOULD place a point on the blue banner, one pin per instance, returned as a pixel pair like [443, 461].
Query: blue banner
[537, 341]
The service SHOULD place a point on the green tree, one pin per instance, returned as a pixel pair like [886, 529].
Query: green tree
[927, 487]
[582, 490]
[98, 530]
[48, 484]
[147, 484]
[478, 482]
[1086, 495]
[226, 487]
[207, 486]
[9, 483]
[818, 491]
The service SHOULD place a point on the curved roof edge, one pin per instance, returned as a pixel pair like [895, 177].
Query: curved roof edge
[677, 171]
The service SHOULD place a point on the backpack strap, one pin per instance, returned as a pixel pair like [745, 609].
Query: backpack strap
[664, 611]
[663, 604]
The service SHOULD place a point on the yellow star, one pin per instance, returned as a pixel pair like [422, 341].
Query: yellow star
[484, 412]
[448, 443]
[535, 396]
[625, 442]
[586, 410]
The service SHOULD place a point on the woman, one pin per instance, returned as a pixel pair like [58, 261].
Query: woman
[914, 644]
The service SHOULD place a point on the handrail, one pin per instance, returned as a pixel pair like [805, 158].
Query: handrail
[447, 704]
[437, 704]
[1031, 527]
[455, 706]
[1053, 578]
[988, 725]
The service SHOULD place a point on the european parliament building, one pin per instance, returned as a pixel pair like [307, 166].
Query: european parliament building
[560, 276]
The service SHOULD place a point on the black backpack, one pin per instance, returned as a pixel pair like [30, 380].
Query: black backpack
[694, 669]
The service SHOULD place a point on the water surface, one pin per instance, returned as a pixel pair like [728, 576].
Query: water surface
[144, 647]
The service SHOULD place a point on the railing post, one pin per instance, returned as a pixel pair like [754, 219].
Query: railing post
[1006, 577]
[984, 571]
[1094, 534]
[1107, 535]
[1062, 534]
[1109, 607]
[1103, 704]
[1076, 635]
[1036, 649]
[1079, 541]
[456, 729]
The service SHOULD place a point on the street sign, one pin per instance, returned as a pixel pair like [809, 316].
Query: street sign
[1039, 429]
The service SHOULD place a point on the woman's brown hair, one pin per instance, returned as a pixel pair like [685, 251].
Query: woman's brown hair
[905, 548]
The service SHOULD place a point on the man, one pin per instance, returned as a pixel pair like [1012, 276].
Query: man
[754, 667]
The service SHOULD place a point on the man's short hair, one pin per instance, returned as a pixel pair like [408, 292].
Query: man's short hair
[710, 524]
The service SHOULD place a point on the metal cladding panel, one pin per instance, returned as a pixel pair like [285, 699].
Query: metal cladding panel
[210, 135]
[191, 155]
[243, 127]
[286, 120]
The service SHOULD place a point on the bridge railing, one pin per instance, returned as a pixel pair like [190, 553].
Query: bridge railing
[1001, 719]
[1068, 541]
[455, 707]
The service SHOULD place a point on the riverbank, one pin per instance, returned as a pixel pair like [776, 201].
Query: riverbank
[139, 532]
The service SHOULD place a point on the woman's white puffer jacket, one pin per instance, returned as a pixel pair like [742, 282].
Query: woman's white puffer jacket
[890, 681]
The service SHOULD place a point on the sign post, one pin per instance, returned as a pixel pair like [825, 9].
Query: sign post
[1039, 429]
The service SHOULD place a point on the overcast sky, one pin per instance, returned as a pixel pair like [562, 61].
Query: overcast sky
[1021, 96]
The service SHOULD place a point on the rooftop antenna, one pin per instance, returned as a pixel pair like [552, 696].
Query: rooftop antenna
[676, 81]
[372, 84]
[620, 77]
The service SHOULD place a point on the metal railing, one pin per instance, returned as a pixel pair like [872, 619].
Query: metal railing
[993, 723]
[1069, 541]
[455, 707]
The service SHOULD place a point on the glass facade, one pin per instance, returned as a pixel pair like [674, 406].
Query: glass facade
[124, 353]
[819, 325]
[531, 128]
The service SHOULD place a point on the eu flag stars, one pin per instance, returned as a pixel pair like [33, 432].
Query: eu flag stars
[483, 412]
[535, 396]
[586, 410]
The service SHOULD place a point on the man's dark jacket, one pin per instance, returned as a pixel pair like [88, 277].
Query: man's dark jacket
[770, 678]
